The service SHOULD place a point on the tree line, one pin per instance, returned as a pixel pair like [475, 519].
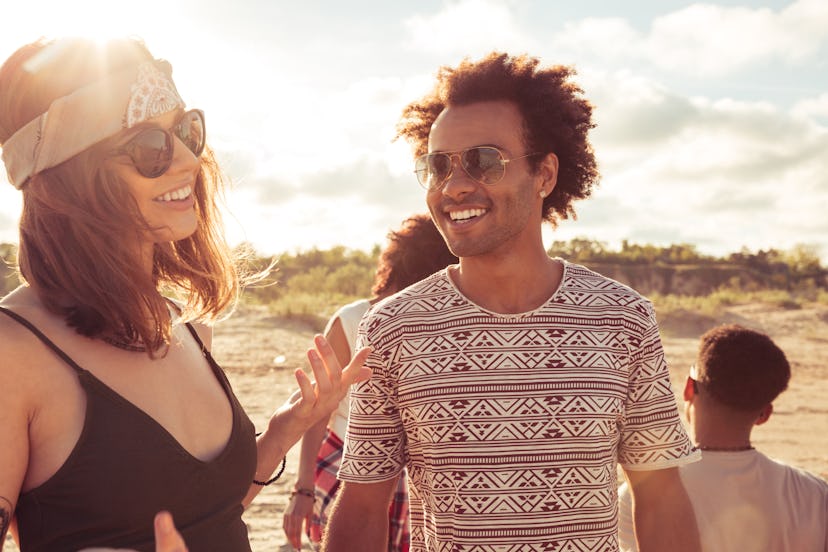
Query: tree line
[340, 271]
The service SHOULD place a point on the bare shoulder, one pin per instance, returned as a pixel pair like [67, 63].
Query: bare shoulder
[24, 356]
[204, 331]
[15, 338]
[19, 368]
[205, 334]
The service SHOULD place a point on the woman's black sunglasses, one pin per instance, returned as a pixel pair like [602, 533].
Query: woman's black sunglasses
[151, 150]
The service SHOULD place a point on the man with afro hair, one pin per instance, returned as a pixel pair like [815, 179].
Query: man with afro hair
[512, 385]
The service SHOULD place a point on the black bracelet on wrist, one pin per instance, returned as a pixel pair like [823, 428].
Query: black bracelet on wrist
[275, 477]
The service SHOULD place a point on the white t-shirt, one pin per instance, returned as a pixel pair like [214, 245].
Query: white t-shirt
[349, 316]
[747, 502]
[512, 426]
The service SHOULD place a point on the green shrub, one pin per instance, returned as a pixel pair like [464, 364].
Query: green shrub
[311, 309]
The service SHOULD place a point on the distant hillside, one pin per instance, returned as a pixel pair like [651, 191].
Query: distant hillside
[681, 270]
[701, 279]
[673, 270]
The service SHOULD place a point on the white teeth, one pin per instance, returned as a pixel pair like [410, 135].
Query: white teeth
[181, 193]
[466, 214]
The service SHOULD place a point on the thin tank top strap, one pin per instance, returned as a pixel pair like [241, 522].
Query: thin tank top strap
[194, 333]
[42, 337]
[214, 366]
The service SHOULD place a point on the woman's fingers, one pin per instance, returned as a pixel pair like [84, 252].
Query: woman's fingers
[326, 370]
[329, 357]
[328, 373]
[330, 381]
[292, 531]
[356, 371]
[307, 395]
[167, 538]
[297, 516]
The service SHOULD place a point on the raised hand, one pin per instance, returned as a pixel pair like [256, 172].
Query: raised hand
[317, 399]
[313, 402]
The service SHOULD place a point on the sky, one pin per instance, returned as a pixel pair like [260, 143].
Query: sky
[712, 118]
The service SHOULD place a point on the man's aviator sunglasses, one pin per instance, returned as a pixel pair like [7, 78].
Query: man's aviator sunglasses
[151, 149]
[484, 164]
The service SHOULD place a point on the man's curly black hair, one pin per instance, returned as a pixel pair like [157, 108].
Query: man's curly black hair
[556, 118]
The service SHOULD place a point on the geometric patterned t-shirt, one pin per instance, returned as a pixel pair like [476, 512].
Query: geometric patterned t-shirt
[512, 426]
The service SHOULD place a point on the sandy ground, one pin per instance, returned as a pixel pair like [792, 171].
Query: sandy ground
[259, 353]
[250, 342]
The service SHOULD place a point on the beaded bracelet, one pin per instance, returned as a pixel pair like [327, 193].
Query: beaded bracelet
[302, 492]
[275, 477]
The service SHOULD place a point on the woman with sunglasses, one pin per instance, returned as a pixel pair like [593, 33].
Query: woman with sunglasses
[113, 408]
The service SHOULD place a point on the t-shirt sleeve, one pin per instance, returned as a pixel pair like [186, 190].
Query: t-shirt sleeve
[653, 436]
[375, 440]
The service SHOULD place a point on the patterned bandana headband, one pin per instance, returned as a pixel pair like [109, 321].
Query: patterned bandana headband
[90, 114]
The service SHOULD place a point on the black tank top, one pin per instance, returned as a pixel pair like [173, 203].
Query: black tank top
[125, 467]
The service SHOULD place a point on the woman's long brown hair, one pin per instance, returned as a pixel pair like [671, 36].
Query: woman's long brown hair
[80, 226]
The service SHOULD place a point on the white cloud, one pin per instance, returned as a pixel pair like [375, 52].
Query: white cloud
[705, 39]
[607, 39]
[305, 222]
[353, 206]
[631, 110]
[310, 129]
[812, 107]
[715, 172]
[468, 28]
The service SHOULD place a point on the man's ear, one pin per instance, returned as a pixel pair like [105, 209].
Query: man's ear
[688, 389]
[764, 414]
[548, 171]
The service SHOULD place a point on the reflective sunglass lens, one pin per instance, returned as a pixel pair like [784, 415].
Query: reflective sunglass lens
[483, 164]
[151, 152]
[439, 166]
[432, 169]
[191, 131]
[421, 168]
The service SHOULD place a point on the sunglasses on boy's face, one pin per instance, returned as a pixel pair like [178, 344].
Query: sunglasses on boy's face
[151, 150]
[484, 164]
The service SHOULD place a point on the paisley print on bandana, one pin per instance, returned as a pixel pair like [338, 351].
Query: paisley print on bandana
[88, 115]
[153, 94]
